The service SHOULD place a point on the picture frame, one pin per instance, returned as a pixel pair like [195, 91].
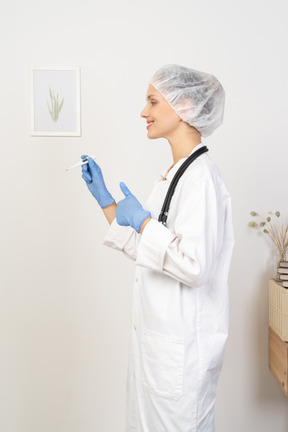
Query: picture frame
[55, 101]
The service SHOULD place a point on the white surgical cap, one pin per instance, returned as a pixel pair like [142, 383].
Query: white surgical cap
[197, 97]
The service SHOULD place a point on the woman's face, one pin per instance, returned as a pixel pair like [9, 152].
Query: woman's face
[162, 120]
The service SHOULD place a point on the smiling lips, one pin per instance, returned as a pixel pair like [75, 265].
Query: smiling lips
[149, 124]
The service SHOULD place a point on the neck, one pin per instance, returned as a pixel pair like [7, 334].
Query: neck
[183, 143]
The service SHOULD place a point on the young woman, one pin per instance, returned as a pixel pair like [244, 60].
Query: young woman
[180, 302]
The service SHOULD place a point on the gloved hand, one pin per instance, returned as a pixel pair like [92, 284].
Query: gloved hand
[129, 211]
[93, 177]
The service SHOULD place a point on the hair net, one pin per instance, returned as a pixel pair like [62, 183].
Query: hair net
[197, 97]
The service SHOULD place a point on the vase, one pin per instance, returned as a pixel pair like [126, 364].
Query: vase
[282, 254]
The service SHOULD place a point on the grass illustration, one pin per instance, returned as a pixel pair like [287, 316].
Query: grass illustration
[55, 107]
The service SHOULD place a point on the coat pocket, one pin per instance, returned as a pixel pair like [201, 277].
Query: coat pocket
[163, 364]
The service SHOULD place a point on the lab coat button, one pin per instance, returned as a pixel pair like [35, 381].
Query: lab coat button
[134, 327]
[136, 279]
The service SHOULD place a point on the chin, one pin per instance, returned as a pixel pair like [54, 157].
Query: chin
[153, 136]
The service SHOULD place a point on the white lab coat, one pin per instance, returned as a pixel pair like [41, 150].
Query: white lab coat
[180, 302]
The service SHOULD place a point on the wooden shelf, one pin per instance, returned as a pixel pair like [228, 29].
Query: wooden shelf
[278, 309]
[278, 359]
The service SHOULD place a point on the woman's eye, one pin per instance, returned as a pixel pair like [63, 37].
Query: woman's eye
[153, 103]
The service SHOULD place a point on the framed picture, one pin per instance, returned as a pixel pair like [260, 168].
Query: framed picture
[55, 101]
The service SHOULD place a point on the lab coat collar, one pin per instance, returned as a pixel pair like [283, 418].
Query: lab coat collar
[168, 174]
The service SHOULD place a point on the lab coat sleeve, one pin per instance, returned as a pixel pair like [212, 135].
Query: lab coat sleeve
[122, 238]
[189, 252]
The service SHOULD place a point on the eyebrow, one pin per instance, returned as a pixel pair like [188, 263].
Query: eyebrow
[151, 95]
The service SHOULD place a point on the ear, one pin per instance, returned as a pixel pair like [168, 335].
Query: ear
[185, 107]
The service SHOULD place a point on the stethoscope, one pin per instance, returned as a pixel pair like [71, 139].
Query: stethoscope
[166, 205]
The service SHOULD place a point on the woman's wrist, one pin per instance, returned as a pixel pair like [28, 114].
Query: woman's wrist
[144, 224]
[110, 212]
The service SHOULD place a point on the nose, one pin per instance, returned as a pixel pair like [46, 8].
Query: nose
[144, 112]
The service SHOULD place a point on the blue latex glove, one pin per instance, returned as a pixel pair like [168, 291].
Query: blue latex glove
[129, 211]
[93, 177]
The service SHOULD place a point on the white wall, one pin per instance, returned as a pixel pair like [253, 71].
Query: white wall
[65, 298]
